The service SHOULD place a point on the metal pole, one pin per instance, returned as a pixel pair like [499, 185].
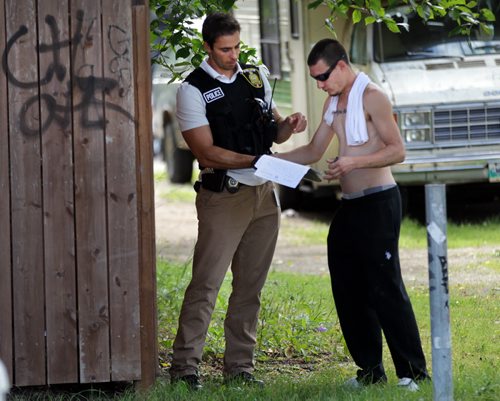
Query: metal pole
[435, 207]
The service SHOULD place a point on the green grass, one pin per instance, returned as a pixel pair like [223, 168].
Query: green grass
[179, 193]
[175, 192]
[487, 233]
[413, 234]
[301, 353]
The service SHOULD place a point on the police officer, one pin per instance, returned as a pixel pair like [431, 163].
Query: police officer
[228, 120]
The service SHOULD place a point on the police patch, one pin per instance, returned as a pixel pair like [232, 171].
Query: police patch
[213, 95]
[253, 77]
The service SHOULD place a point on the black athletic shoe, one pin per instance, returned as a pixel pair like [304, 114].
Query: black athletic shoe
[243, 378]
[191, 381]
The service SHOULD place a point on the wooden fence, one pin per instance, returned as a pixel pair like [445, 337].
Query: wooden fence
[77, 255]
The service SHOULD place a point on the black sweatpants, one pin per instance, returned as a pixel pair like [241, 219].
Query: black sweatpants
[368, 289]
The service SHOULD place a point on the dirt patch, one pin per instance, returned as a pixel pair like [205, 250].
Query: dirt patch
[176, 228]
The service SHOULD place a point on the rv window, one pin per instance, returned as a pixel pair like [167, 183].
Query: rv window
[358, 51]
[431, 39]
[270, 36]
[294, 19]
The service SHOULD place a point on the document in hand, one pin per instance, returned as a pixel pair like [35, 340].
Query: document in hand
[284, 172]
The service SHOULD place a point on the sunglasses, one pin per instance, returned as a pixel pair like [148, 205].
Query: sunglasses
[323, 77]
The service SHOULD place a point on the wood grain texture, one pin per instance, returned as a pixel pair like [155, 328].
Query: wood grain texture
[90, 192]
[121, 190]
[6, 344]
[58, 202]
[146, 206]
[26, 194]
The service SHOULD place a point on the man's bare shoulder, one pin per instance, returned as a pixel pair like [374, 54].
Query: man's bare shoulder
[372, 89]
[376, 101]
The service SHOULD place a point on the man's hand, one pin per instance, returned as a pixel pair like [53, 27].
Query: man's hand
[297, 122]
[294, 123]
[339, 167]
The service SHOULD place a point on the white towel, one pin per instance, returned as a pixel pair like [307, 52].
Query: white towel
[356, 131]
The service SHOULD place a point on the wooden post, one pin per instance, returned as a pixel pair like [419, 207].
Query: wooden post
[5, 229]
[58, 198]
[90, 192]
[121, 184]
[26, 195]
[142, 79]
[77, 251]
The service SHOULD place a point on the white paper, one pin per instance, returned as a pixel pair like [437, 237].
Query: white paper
[280, 171]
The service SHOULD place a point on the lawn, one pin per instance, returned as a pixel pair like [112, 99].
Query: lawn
[301, 353]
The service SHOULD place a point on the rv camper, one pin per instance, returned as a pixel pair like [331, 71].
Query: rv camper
[445, 90]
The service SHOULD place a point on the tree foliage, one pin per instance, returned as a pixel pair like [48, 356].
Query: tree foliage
[175, 41]
[467, 14]
[178, 45]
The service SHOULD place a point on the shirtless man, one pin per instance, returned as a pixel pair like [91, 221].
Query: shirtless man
[363, 258]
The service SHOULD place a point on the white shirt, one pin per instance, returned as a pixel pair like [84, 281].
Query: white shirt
[191, 112]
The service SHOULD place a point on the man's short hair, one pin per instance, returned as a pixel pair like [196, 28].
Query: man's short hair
[218, 24]
[328, 50]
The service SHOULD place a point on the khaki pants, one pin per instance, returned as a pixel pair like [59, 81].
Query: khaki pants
[240, 230]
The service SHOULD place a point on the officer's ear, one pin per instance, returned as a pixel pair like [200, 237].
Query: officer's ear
[207, 48]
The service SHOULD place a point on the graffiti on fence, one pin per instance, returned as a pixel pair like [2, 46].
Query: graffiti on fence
[83, 78]
[119, 65]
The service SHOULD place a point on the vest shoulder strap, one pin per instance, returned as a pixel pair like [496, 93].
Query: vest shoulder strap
[251, 73]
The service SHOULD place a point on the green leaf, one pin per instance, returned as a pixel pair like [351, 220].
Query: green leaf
[228, 4]
[393, 27]
[370, 20]
[440, 11]
[455, 31]
[486, 29]
[182, 64]
[197, 59]
[420, 12]
[314, 4]
[487, 14]
[183, 52]
[177, 38]
[356, 16]
[374, 4]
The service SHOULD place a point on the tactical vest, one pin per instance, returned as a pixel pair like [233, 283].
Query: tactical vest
[232, 111]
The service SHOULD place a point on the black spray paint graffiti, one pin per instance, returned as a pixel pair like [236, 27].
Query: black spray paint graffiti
[444, 273]
[84, 79]
[119, 65]
[443, 261]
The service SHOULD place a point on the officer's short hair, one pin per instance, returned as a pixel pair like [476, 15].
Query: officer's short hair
[218, 24]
